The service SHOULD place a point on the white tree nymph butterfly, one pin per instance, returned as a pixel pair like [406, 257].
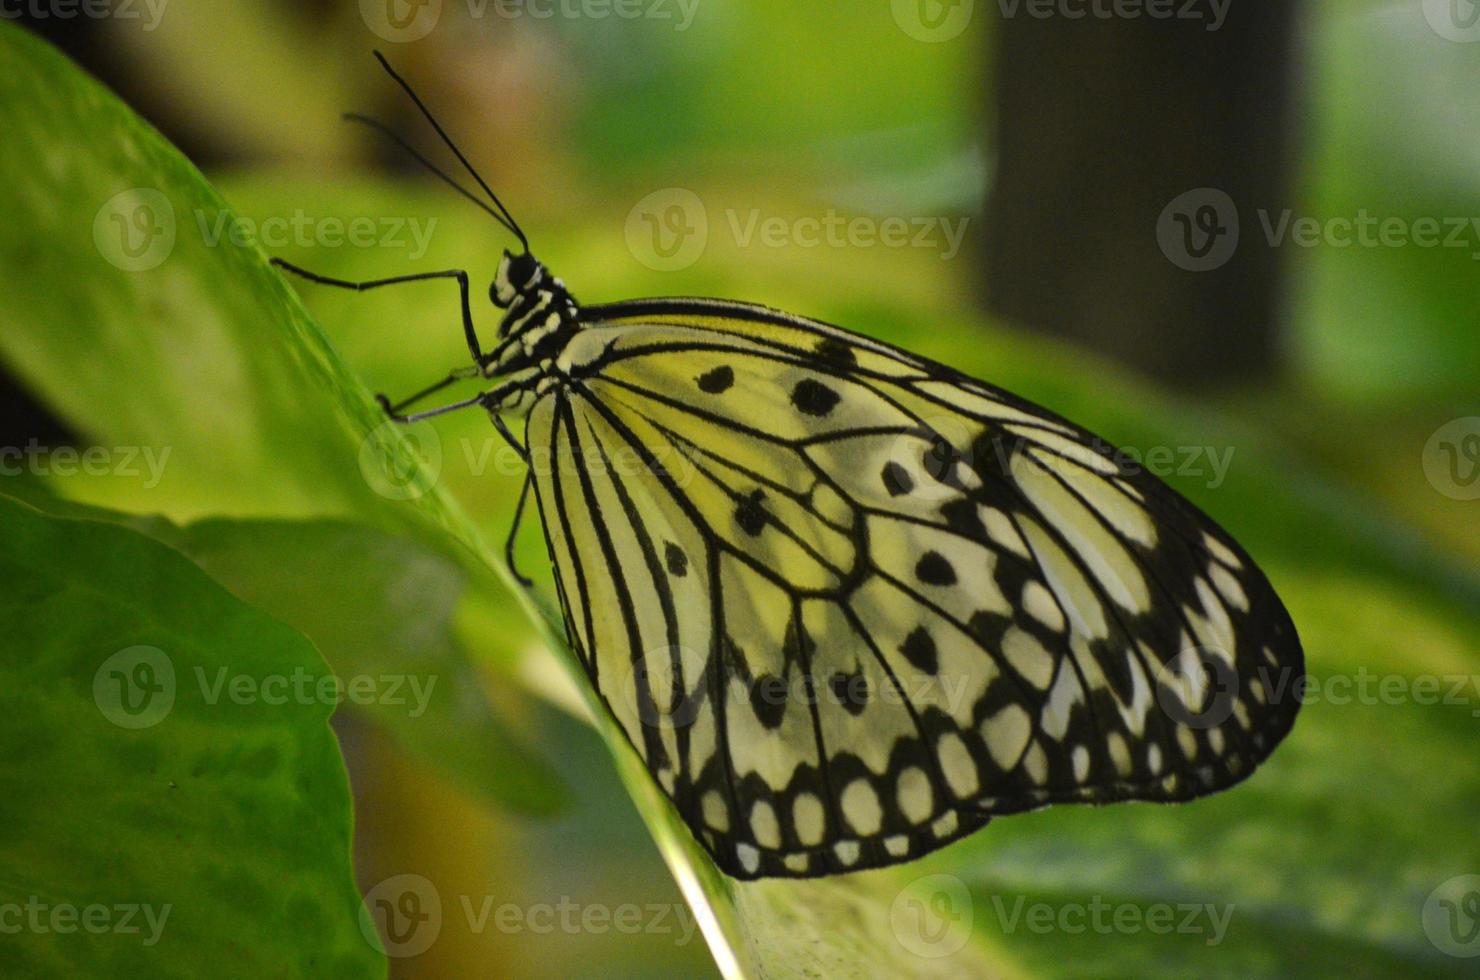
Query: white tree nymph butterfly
[847, 603]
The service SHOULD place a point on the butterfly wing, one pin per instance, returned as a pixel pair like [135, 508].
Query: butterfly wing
[849, 603]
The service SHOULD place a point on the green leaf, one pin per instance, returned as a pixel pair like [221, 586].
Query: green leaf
[148, 773]
[381, 608]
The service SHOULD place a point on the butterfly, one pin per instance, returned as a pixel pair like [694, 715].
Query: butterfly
[848, 603]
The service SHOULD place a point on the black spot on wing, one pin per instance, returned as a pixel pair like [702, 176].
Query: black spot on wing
[933, 569]
[676, 560]
[919, 649]
[962, 517]
[850, 691]
[812, 397]
[836, 351]
[751, 514]
[768, 696]
[718, 380]
[897, 479]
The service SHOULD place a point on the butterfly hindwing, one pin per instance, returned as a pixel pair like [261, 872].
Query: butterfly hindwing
[849, 604]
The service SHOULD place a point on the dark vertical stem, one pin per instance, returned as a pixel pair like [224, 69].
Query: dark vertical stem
[1101, 124]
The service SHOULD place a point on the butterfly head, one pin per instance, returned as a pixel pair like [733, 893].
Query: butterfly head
[517, 275]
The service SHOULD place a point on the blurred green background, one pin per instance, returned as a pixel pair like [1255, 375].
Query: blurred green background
[648, 155]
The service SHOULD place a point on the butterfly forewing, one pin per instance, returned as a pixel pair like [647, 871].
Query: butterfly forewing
[849, 604]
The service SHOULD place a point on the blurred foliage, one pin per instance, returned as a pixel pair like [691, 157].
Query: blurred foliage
[223, 824]
[1325, 857]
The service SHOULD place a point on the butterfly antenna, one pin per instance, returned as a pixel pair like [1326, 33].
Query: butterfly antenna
[508, 218]
[411, 151]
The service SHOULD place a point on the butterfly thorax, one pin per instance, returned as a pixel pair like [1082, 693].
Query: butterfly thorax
[541, 316]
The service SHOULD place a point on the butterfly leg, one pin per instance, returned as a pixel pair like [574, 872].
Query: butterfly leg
[495, 401]
[514, 533]
[469, 331]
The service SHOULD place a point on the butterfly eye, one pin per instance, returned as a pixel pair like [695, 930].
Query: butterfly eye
[522, 270]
